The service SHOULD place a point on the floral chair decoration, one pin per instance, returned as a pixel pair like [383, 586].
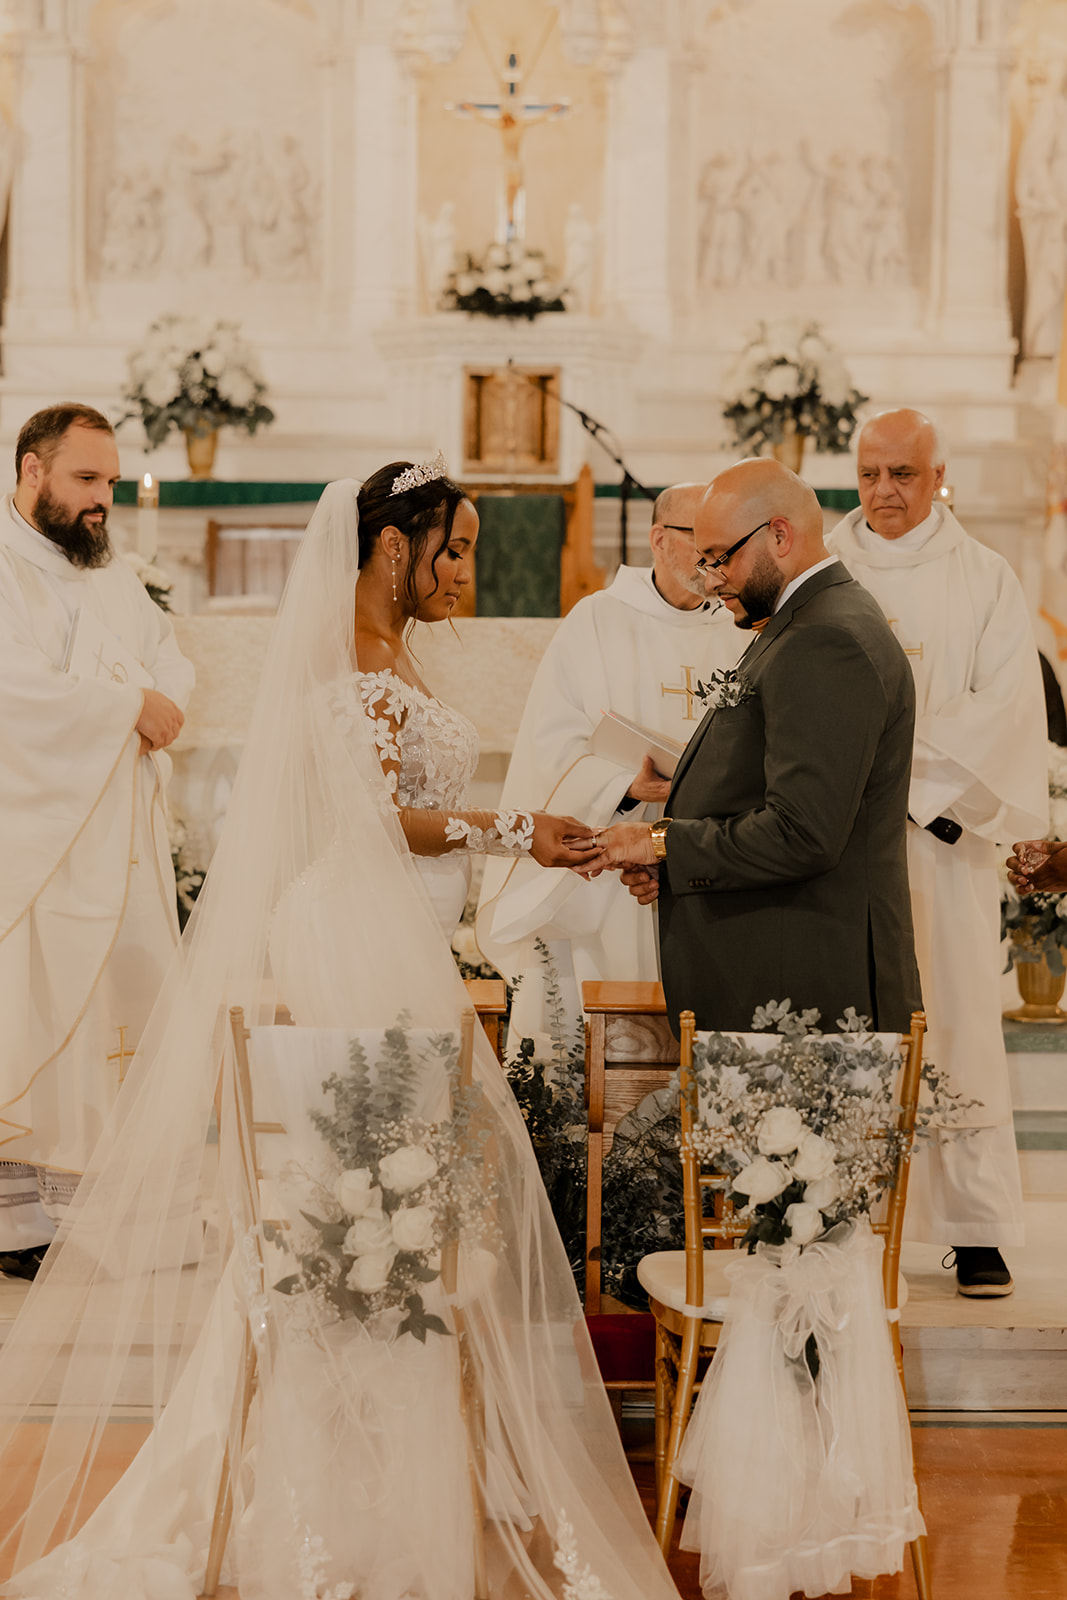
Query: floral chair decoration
[799, 1447]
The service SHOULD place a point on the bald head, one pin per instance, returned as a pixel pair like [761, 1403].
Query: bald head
[674, 555]
[778, 517]
[900, 461]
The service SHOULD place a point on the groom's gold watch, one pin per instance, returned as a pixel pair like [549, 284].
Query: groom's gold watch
[658, 834]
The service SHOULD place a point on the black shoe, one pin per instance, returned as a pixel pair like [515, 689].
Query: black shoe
[980, 1271]
[22, 1263]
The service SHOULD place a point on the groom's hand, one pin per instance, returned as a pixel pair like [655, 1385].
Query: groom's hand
[627, 844]
[643, 883]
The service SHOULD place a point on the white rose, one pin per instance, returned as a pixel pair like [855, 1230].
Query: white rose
[782, 381]
[237, 388]
[762, 1179]
[814, 1157]
[355, 1193]
[413, 1228]
[803, 1222]
[213, 360]
[370, 1274]
[406, 1168]
[823, 1192]
[161, 386]
[367, 1235]
[496, 281]
[833, 382]
[780, 1131]
[466, 283]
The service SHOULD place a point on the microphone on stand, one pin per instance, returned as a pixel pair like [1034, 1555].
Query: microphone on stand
[607, 442]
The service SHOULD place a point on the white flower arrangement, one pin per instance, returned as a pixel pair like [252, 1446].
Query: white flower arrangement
[158, 582]
[187, 373]
[512, 281]
[402, 1188]
[805, 1128]
[790, 379]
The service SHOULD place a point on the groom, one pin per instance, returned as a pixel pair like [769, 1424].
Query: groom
[780, 867]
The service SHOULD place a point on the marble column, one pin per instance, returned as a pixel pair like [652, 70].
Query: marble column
[385, 183]
[643, 165]
[47, 228]
[969, 282]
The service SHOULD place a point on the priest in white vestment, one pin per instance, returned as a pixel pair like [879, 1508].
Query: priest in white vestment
[979, 776]
[87, 904]
[637, 648]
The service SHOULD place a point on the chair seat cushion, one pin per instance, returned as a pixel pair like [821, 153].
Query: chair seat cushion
[662, 1276]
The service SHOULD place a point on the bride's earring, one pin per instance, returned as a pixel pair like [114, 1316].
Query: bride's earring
[395, 595]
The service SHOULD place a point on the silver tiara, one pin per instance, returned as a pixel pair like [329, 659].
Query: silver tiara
[413, 477]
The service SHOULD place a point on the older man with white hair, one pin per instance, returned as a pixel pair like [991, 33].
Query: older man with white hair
[979, 775]
[638, 648]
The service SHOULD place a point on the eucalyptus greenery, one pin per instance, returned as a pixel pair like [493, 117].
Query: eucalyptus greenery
[551, 1097]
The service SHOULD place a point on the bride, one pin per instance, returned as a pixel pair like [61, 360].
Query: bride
[414, 1431]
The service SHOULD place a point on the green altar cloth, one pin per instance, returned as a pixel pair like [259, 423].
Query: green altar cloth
[518, 555]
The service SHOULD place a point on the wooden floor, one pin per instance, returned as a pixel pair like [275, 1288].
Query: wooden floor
[995, 1500]
[994, 1493]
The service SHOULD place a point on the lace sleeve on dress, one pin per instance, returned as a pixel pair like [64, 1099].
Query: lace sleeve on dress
[383, 703]
[491, 833]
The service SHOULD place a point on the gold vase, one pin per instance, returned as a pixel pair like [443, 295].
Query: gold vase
[200, 449]
[790, 450]
[1041, 991]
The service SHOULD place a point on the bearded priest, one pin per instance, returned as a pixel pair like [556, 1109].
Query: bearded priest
[979, 775]
[638, 649]
[92, 684]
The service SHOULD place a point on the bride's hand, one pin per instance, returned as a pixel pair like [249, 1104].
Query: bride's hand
[561, 841]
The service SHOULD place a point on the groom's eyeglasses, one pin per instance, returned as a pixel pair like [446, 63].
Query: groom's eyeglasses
[675, 527]
[716, 563]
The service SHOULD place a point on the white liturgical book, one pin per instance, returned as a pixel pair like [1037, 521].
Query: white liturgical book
[93, 651]
[626, 743]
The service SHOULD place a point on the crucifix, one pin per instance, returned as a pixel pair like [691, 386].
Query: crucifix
[122, 1055]
[512, 117]
[688, 690]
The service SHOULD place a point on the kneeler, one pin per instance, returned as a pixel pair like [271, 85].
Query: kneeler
[469, 1399]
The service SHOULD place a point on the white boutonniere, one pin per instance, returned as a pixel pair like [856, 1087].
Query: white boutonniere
[726, 687]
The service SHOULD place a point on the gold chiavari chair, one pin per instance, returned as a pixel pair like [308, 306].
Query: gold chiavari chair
[247, 1130]
[688, 1290]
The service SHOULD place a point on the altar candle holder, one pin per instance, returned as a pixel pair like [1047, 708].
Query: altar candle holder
[147, 517]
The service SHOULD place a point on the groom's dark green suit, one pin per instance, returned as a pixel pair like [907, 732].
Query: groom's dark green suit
[786, 874]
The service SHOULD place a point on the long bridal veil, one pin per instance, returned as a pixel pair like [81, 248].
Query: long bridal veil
[354, 1475]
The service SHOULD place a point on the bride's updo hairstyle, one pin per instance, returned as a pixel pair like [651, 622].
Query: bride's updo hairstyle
[425, 511]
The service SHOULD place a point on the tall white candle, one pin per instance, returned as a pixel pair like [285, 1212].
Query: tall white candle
[147, 518]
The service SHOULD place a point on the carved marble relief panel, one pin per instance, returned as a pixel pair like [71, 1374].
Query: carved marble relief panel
[813, 148]
[204, 141]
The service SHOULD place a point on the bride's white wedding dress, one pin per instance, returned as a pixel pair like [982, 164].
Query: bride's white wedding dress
[353, 1477]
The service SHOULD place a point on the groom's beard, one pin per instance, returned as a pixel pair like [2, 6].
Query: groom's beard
[759, 593]
[85, 544]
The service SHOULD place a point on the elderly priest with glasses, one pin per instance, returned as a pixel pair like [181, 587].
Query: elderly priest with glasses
[637, 649]
[780, 866]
